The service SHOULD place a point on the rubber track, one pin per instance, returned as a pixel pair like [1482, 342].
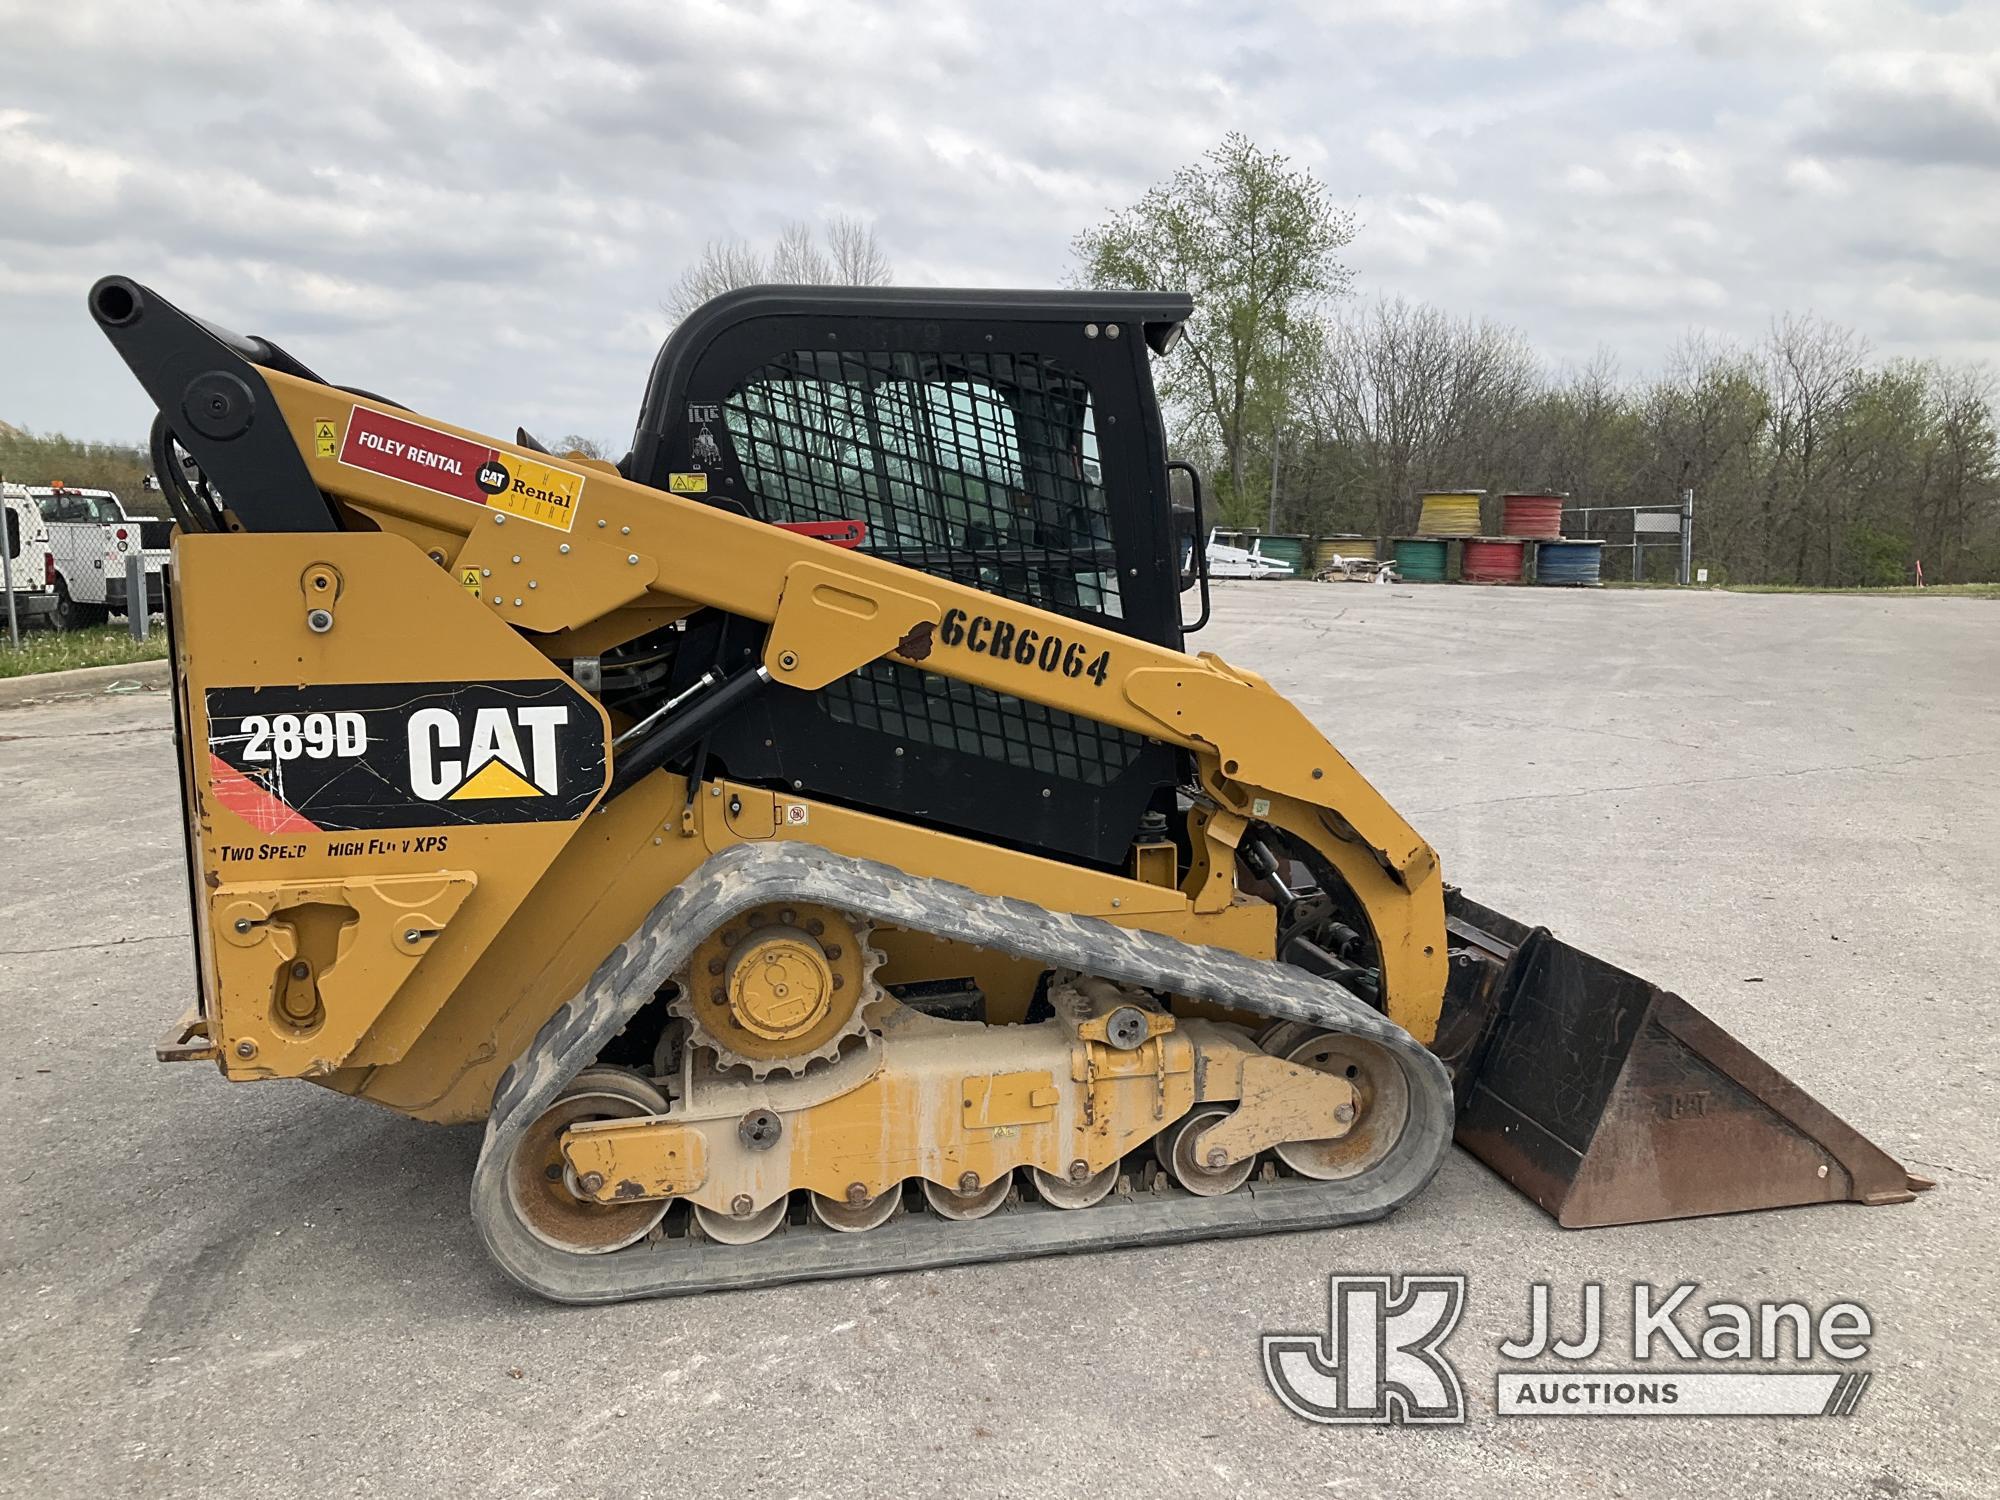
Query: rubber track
[751, 875]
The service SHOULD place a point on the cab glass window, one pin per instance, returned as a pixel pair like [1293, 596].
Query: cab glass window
[977, 467]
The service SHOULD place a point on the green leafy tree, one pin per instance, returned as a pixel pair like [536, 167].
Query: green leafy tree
[1255, 240]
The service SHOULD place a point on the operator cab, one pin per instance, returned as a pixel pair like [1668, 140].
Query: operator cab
[1008, 440]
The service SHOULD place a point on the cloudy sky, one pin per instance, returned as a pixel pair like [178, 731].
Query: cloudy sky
[480, 216]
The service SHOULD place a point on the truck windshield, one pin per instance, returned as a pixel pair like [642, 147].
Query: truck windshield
[74, 505]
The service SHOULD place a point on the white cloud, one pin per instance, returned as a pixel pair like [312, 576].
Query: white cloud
[480, 214]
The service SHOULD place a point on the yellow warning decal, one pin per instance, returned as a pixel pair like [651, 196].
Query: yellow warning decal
[326, 438]
[688, 484]
[468, 579]
[494, 779]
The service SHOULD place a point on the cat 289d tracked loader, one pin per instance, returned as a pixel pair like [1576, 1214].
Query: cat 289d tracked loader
[807, 846]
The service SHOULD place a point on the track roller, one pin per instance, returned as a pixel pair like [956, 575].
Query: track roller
[858, 1213]
[741, 1229]
[1072, 1192]
[1382, 1106]
[540, 1192]
[976, 1204]
[1175, 1149]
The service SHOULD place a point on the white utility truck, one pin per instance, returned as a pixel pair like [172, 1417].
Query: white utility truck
[91, 534]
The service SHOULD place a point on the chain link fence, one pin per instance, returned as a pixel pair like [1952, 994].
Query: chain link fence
[83, 577]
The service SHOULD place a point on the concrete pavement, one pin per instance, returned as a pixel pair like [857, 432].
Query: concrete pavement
[1782, 807]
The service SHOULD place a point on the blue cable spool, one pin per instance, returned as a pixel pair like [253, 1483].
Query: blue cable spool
[1570, 564]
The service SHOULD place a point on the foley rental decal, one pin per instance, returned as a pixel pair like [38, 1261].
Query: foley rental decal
[1382, 1356]
[404, 755]
[447, 464]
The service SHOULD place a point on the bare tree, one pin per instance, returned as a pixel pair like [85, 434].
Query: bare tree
[857, 257]
[1811, 365]
[797, 260]
[576, 442]
[1408, 396]
[850, 256]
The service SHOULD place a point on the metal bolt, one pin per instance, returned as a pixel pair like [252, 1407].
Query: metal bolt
[1090, 330]
[632, 558]
[246, 1048]
[833, 950]
[839, 982]
[498, 600]
[1079, 1170]
[719, 995]
[1116, 902]
[517, 604]
[301, 970]
[1317, 773]
[412, 935]
[741, 1205]
[532, 584]
[815, 927]
[968, 1183]
[517, 557]
[1217, 1157]
[242, 924]
[1344, 1114]
[624, 530]
[485, 572]
[319, 621]
[715, 966]
[590, 1182]
[857, 1193]
[564, 549]
[788, 660]
[787, 916]
[1111, 330]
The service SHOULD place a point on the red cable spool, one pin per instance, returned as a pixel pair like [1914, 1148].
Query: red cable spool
[1537, 515]
[1488, 559]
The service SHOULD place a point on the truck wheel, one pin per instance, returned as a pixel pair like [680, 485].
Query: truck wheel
[69, 615]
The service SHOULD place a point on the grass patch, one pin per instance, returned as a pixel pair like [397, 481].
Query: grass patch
[1935, 591]
[59, 651]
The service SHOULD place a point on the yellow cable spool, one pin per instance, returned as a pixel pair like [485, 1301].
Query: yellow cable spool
[1450, 513]
[1344, 545]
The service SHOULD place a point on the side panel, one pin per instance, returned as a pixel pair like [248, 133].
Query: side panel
[369, 803]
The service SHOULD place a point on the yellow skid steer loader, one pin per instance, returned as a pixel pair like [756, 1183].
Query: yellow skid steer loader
[808, 847]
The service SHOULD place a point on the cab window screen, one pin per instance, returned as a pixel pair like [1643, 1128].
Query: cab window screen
[977, 467]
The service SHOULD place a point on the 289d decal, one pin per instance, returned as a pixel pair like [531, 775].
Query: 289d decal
[404, 755]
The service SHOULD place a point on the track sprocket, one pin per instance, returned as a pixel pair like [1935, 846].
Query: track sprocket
[778, 988]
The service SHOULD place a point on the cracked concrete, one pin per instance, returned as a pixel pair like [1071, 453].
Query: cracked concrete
[269, 1290]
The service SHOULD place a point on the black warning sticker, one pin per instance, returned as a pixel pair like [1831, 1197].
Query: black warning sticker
[404, 755]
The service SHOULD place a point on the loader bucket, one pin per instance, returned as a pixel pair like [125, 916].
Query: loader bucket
[1608, 1100]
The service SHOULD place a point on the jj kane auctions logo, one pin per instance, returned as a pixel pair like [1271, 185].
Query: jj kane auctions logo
[1382, 1357]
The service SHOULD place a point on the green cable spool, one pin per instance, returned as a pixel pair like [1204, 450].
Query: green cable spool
[1284, 549]
[1420, 559]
